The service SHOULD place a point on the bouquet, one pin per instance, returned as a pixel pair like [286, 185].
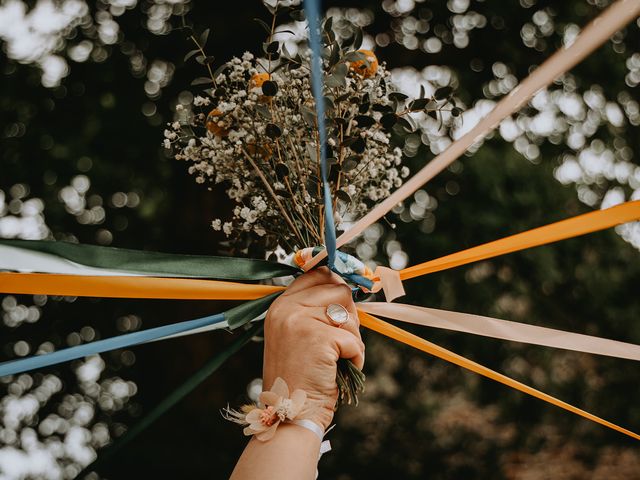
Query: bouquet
[253, 130]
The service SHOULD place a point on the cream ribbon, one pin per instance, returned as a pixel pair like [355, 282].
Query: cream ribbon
[502, 329]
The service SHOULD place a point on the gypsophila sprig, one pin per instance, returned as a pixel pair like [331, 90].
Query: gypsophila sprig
[253, 129]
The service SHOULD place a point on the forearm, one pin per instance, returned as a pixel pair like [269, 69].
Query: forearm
[292, 454]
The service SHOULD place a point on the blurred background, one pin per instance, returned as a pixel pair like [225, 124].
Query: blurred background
[86, 89]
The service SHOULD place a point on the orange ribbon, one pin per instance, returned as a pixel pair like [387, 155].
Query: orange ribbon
[130, 287]
[571, 227]
[414, 341]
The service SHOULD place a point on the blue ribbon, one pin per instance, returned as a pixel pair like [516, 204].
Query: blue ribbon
[122, 341]
[312, 10]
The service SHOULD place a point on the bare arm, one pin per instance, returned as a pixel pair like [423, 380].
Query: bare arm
[302, 346]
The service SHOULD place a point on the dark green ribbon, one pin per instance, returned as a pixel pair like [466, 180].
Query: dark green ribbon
[156, 263]
[173, 398]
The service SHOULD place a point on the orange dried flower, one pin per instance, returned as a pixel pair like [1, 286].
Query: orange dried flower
[213, 124]
[263, 151]
[258, 79]
[360, 66]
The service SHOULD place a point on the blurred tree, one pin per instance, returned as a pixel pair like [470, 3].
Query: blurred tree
[85, 94]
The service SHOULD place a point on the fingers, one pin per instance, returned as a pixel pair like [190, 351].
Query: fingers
[320, 297]
[317, 276]
[349, 347]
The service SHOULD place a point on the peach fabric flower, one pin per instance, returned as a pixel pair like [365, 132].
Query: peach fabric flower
[278, 407]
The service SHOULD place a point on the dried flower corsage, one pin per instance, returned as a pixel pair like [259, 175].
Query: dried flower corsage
[275, 407]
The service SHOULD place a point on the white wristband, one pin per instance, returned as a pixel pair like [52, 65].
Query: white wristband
[310, 425]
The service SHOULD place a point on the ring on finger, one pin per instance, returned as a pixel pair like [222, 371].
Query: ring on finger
[338, 314]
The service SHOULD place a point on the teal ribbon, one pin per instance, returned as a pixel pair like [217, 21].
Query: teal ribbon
[159, 264]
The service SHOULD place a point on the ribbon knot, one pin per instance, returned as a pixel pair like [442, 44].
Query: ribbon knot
[355, 271]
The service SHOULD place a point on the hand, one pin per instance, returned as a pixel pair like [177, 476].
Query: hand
[302, 345]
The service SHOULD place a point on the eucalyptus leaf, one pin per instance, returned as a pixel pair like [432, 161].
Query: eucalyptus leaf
[397, 96]
[364, 107]
[204, 37]
[348, 141]
[442, 93]
[406, 123]
[354, 57]
[273, 131]
[272, 47]
[312, 152]
[201, 81]
[377, 107]
[344, 196]
[418, 104]
[328, 24]
[269, 88]
[335, 54]
[357, 39]
[335, 81]
[263, 111]
[349, 163]
[263, 24]
[328, 103]
[388, 120]
[297, 15]
[282, 171]
[383, 86]
[364, 121]
[220, 70]
[359, 145]
[308, 115]
[191, 54]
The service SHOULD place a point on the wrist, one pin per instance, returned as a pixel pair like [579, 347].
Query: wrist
[323, 416]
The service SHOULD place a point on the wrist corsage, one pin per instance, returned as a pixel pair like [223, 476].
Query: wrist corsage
[275, 406]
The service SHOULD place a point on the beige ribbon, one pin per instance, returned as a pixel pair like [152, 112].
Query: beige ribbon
[502, 329]
[594, 35]
[389, 282]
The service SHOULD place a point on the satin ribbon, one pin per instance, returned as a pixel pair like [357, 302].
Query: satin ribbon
[172, 399]
[99, 346]
[571, 227]
[595, 34]
[502, 329]
[414, 341]
[130, 287]
[64, 257]
[312, 11]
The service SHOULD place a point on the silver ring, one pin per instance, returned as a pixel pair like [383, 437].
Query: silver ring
[338, 314]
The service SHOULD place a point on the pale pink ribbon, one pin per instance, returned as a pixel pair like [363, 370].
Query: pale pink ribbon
[594, 35]
[389, 282]
[502, 329]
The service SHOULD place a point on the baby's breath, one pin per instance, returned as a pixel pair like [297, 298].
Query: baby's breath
[254, 132]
